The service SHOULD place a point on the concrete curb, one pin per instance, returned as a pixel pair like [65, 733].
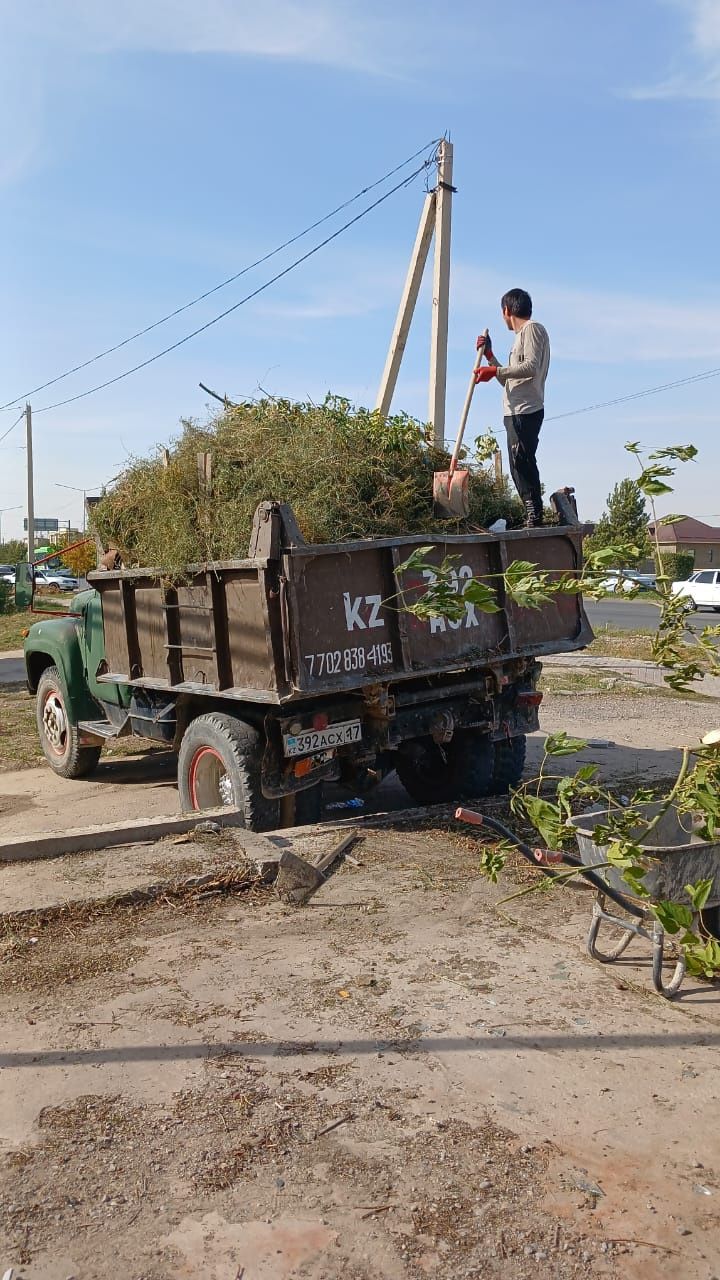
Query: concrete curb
[49, 844]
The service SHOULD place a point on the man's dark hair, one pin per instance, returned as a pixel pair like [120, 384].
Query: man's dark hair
[518, 303]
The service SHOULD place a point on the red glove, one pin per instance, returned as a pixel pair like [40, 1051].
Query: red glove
[485, 373]
[484, 344]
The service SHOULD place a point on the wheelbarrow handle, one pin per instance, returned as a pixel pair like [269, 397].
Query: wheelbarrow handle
[472, 818]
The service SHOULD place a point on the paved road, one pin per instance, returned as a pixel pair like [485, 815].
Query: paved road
[12, 667]
[639, 615]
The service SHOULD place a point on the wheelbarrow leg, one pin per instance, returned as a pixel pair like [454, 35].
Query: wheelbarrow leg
[598, 916]
[669, 990]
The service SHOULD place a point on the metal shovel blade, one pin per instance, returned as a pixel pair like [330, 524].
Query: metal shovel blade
[450, 494]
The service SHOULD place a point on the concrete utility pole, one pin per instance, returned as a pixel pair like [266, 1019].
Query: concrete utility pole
[434, 221]
[441, 294]
[407, 305]
[30, 488]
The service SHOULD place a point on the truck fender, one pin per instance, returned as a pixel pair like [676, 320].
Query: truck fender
[56, 644]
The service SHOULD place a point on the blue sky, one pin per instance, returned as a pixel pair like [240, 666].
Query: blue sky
[150, 150]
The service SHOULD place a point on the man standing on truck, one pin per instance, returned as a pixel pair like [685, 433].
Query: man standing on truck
[523, 383]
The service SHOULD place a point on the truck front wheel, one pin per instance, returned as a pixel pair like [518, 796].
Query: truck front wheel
[58, 735]
[462, 770]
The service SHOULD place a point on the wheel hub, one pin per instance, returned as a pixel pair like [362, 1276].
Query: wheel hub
[209, 781]
[54, 722]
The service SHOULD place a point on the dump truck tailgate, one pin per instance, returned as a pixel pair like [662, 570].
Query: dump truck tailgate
[313, 620]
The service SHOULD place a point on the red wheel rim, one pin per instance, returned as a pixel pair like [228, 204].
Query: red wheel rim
[208, 781]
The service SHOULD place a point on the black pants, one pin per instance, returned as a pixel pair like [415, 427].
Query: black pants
[523, 432]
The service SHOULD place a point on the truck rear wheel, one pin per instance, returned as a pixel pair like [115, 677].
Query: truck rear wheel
[59, 737]
[436, 775]
[219, 765]
[509, 763]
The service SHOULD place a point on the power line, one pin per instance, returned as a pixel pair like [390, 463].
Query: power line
[638, 395]
[224, 283]
[12, 428]
[248, 297]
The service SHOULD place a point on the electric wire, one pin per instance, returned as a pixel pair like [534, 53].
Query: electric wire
[248, 297]
[429, 147]
[638, 395]
[12, 428]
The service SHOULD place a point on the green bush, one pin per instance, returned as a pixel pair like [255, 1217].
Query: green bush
[5, 596]
[677, 565]
[347, 473]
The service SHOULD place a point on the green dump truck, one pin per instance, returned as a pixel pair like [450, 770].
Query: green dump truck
[295, 666]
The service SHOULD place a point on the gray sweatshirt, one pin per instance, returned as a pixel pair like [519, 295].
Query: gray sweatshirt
[523, 378]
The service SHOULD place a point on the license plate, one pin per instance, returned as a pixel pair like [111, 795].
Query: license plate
[310, 741]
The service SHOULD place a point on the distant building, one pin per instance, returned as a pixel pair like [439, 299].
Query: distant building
[701, 540]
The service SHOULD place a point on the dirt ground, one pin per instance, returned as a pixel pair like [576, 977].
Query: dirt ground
[402, 1079]
[407, 1078]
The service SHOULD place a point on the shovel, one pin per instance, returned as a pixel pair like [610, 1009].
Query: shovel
[450, 488]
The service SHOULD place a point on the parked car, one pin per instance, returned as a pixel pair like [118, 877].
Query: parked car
[703, 588]
[7, 573]
[619, 582]
[55, 579]
[645, 581]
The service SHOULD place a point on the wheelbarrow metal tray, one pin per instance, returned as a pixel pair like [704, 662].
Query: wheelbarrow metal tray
[677, 854]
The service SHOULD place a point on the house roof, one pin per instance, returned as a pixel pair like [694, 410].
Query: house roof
[687, 530]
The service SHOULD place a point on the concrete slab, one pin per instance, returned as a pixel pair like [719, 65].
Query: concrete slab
[33, 800]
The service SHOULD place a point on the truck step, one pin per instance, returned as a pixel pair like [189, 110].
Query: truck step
[104, 729]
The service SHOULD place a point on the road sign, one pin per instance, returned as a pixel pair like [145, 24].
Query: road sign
[43, 526]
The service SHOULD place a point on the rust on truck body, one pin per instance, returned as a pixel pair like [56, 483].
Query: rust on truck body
[301, 620]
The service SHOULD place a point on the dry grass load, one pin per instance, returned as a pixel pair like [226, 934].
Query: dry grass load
[347, 473]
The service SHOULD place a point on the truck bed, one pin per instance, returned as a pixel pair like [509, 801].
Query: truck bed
[296, 620]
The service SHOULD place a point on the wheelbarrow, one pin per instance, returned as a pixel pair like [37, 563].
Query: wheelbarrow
[677, 856]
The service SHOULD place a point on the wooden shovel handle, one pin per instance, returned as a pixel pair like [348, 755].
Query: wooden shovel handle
[466, 409]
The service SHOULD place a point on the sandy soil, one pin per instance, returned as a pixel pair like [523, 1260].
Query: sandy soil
[403, 1079]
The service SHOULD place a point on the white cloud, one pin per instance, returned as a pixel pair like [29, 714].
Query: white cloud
[598, 327]
[46, 45]
[698, 76]
[326, 32]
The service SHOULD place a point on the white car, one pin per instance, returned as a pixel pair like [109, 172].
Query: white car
[703, 588]
[55, 579]
[618, 582]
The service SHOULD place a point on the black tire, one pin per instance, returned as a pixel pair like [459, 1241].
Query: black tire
[309, 805]
[59, 737]
[219, 763]
[509, 763]
[463, 770]
[710, 920]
